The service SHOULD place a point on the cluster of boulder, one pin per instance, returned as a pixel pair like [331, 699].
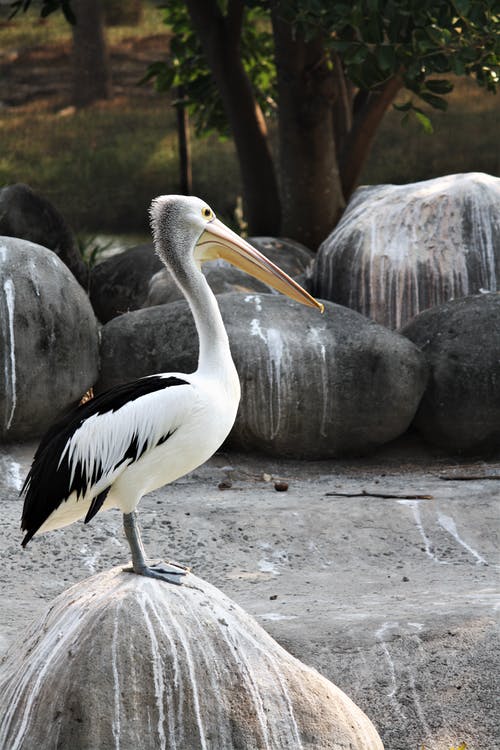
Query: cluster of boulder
[420, 258]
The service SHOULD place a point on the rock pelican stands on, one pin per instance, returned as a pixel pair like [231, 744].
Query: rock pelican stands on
[121, 662]
[137, 437]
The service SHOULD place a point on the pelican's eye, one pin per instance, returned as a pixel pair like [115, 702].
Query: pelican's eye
[207, 213]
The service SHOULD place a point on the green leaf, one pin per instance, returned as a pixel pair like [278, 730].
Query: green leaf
[68, 12]
[423, 120]
[435, 101]
[356, 55]
[457, 66]
[462, 6]
[403, 107]
[386, 57]
[439, 86]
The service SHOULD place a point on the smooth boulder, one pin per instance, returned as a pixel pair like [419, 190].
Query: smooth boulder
[221, 276]
[121, 283]
[400, 249]
[290, 256]
[313, 386]
[124, 661]
[29, 216]
[460, 409]
[48, 339]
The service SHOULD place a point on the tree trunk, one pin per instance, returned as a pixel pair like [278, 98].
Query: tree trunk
[220, 37]
[91, 78]
[366, 120]
[310, 184]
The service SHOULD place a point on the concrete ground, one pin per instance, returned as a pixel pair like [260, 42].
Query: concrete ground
[378, 572]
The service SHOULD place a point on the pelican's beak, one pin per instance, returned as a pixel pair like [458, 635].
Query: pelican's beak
[218, 241]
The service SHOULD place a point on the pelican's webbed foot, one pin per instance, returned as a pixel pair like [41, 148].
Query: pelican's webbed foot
[163, 571]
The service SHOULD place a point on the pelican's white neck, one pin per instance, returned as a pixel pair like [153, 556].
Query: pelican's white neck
[214, 355]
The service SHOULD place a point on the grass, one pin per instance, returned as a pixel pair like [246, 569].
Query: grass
[465, 139]
[101, 166]
[28, 30]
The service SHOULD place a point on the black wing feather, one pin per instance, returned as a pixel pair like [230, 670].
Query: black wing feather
[96, 505]
[48, 482]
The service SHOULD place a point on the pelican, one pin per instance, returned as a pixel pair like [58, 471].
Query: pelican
[137, 437]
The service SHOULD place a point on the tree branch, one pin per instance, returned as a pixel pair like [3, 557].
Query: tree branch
[366, 122]
[342, 105]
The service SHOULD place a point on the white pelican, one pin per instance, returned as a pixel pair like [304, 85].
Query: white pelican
[113, 449]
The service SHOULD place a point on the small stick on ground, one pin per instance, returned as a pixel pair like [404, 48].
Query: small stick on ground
[467, 477]
[383, 495]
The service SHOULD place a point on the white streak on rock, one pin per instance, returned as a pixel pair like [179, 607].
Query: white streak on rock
[177, 685]
[315, 339]
[418, 706]
[256, 299]
[273, 356]
[380, 636]
[252, 687]
[192, 676]
[449, 525]
[415, 507]
[12, 472]
[10, 351]
[256, 330]
[267, 566]
[276, 616]
[116, 678]
[157, 674]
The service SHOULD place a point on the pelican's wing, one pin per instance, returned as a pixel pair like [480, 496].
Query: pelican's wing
[88, 448]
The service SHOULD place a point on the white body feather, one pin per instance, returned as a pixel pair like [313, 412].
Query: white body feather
[199, 416]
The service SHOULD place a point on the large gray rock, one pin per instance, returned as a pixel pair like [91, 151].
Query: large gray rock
[48, 339]
[312, 386]
[290, 256]
[400, 249]
[120, 283]
[221, 276]
[29, 216]
[460, 409]
[120, 661]
[146, 341]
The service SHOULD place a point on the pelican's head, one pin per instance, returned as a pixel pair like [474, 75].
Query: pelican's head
[185, 225]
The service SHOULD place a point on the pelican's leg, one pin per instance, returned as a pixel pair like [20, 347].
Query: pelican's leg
[164, 571]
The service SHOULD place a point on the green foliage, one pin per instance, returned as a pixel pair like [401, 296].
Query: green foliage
[46, 8]
[91, 248]
[186, 66]
[373, 39]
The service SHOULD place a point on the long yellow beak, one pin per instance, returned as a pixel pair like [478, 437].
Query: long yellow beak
[218, 241]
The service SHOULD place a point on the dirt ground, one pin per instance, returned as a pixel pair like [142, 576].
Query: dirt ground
[41, 75]
[382, 573]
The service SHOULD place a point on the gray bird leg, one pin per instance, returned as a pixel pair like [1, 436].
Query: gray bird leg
[164, 571]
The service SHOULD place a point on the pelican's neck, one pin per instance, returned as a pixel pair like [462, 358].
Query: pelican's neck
[214, 355]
